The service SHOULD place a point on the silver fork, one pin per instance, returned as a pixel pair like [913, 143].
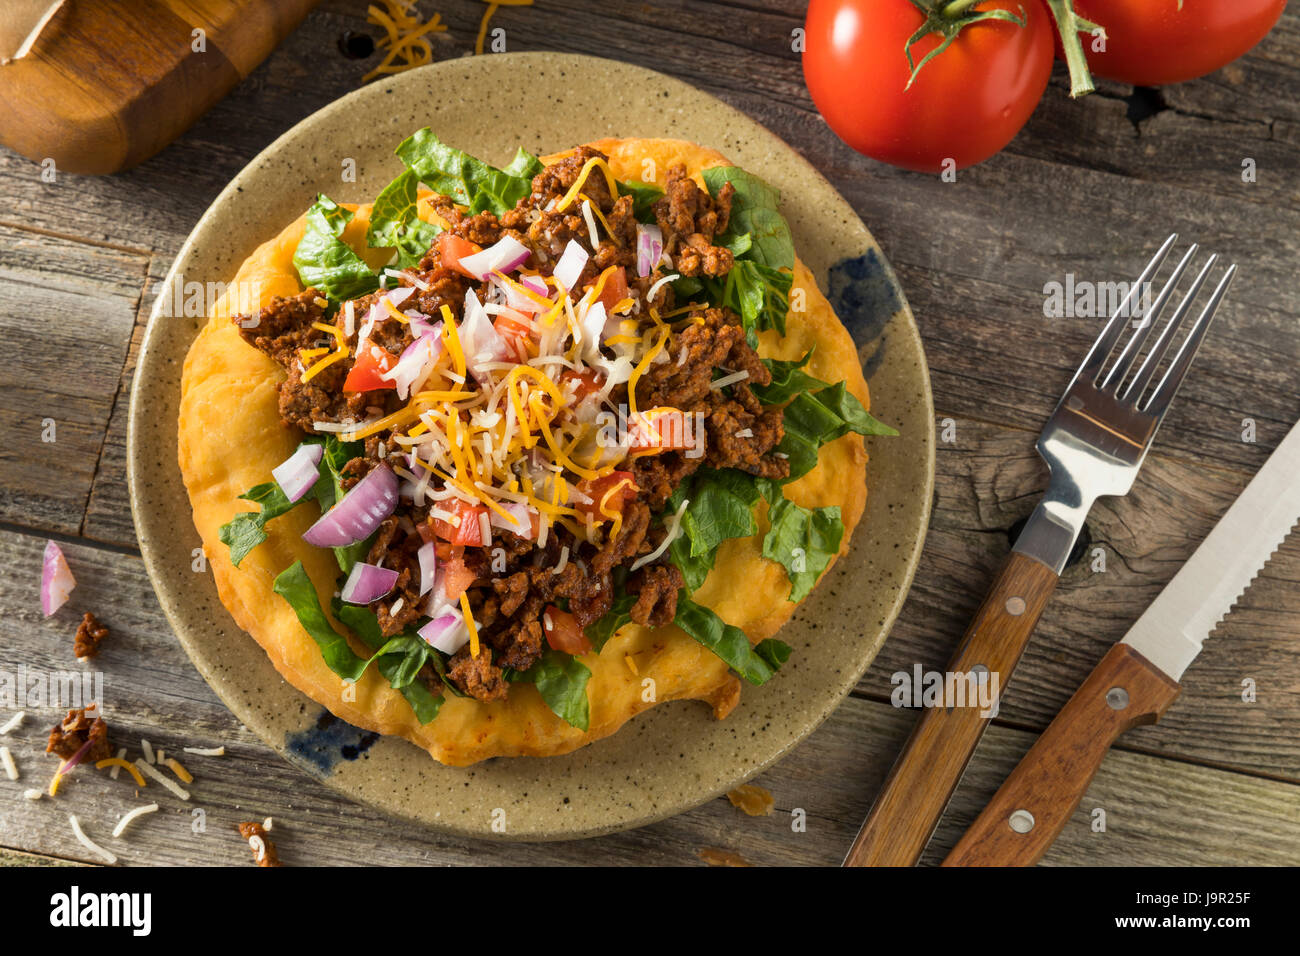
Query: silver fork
[1094, 443]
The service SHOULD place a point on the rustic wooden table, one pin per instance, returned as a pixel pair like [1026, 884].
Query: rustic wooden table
[1088, 188]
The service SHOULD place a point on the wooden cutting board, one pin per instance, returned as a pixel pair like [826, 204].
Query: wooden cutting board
[106, 84]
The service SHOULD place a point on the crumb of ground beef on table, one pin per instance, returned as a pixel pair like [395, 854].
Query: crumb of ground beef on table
[90, 632]
[71, 734]
[263, 849]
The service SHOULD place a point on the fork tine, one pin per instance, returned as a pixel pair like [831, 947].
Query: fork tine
[1166, 337]
[1133, 347]
[1173, 378]
[1105, 344]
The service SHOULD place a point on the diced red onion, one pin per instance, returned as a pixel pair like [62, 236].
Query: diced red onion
[77, 757]
[398, 296]
[649, 248]
[57, 581]
[367, 582]
[428, 559]
[358, 513]
[447, 633]
[479, 340]
[505, 255]
[297, 473]
[569, 269]
[416, 363]
[523, 523]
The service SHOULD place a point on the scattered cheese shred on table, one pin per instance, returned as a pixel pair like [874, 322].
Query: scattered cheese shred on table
[492, 6]
[206, 751]
[125, 822]
[32, 794]
[157, 775]
[176, 768]
[121, 755]
[88, 843]
[11, 768]
[407, 38]
[13, 722]
[117, 763]
[147, 748]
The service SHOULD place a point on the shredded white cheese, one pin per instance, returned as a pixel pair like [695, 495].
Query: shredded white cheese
[88, 843]
[674, 532]
[205, 751]
[149, 771]
[11, 768]
[13, 722]
[564, 560]
[726, 380]
[125, 822]
[650, 293]
[117, 768]
[148, 751]
[397, 606]
[33, 794]
[591, 224]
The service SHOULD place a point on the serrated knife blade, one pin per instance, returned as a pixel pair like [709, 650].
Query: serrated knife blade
[1173, 629]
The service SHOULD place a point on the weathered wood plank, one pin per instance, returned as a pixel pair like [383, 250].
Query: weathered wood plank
[67, 310]
[152, 691]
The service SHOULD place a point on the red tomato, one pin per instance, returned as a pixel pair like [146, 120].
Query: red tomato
[588, 382]
[562, 631]
[515, 330]
[452, 248]
[965, 104]
[620, 483]
[456, 577]
[370, 363]
[614, 290]
[1153, 42]
[662, 429]
[465, 528]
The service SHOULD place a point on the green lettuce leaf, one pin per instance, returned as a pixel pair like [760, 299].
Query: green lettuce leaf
[803, 542]
[561, 679]
[602, 630]
[814, 418]
[247, 529]
[327, 263]
[754, 210]
[644, 196]
[465, 180]
[399, 670]
[395, 222]
[755, 664]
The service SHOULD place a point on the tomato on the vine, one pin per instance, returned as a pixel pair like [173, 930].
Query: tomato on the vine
[962, 106]
[1156, 42]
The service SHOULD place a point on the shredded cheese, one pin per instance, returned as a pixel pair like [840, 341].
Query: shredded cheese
[126, 820]
[157, 775]
[594, 163]
[13, 723]
[469, 623]
[117, 763]
[407, 37]
[175, 767]
[7, 759]
[88, 843]
[206, 751]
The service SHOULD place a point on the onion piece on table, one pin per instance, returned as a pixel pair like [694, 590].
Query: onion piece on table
[367, 582]
[358, 513]
[297, 473]
[57, 581]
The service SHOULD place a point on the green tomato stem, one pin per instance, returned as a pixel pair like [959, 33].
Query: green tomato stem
[1069, 24]
[956, 8]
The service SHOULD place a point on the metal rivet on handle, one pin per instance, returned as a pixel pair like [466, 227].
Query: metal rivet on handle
[1015, 606]
[1022, 821]
[1117, 698]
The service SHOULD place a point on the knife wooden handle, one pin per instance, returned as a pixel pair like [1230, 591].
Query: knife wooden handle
[927, 772]
[1032, 807]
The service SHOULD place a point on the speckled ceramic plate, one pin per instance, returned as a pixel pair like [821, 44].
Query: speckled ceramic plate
[675, 756]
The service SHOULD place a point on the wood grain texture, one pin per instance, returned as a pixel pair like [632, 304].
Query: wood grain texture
[1032, 807]
[920, 783]
[107, 85]
[1088, 187]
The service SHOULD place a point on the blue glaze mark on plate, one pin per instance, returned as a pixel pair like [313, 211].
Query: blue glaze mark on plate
[864, 293]
[329, 740]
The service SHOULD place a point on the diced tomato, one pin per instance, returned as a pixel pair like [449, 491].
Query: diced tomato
[614, 290]
[562, 631]
[464, 528]
[371, 362]
[588, 382]
[619, 485]
[662, 429]
[456, 577]
[452, 248]
[513, 327]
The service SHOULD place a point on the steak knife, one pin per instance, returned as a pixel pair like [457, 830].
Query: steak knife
[1138, 678]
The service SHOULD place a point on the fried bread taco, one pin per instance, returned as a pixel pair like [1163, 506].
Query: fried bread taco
[509, 455]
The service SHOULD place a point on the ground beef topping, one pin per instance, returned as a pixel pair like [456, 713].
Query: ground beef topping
[88, 637]
[69, 735]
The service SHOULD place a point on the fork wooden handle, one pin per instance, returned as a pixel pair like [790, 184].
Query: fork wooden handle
[1032, 807]
[927, 772]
